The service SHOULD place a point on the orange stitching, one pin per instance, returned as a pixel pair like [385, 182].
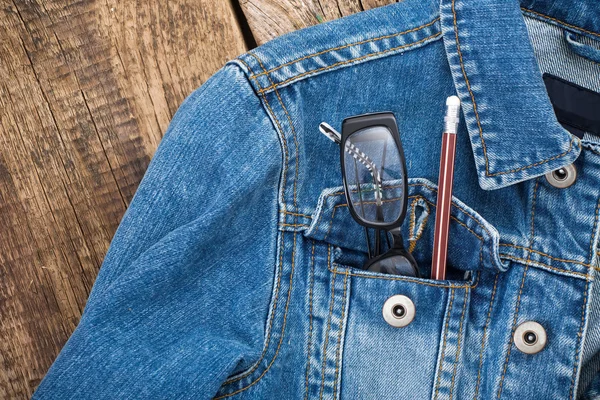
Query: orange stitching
[282, 328]
[298, 214]
[367, 190]
[525, 261]
[518, 303]
[547, 255]
[389, 200]
[310, 315]
[512, 332]
[295, 225]
[285, 148]
[573, 139]
[485, 327]
[256, 365]
[468, 84]
[466, 227]
[594, 233]
[430, 188]
[321, 213]
[453, 205]
[413, 222]
[345, 46]
[560, 22]
[459, 343]
[339, 342]
[314, 71]
[275, 301]
[462, 66]
[346, 205]
[291, 126]
[437, 385]
[408, 279]
[579, 336]
[324, 353]
[247, 66]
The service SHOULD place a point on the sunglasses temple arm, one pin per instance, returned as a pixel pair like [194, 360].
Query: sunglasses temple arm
[398, 239]
[377, 242]
[387, 240]
[368, 241]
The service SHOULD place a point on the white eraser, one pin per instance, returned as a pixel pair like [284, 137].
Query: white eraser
[453, 101]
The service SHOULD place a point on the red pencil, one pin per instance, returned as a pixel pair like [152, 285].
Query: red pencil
[445, 181]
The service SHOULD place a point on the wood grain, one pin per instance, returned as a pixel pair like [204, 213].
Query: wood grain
[87, 89]
[268, 19]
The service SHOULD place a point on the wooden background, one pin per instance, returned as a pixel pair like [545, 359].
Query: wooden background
[87, 89]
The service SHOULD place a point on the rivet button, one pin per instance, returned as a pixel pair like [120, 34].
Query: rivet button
[398, 311]
[562, 177]
[530, 337]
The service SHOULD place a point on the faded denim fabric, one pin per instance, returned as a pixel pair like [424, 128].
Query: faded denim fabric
[236, 271]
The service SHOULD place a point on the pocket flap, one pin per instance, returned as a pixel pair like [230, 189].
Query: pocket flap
[473, 242]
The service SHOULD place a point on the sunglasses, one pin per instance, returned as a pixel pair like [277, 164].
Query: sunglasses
[376, 186]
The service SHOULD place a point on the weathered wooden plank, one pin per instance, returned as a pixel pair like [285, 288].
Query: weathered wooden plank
[87, 89]
[271, 18]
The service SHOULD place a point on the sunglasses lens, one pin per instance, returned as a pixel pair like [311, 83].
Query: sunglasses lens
[374, 173]
[395, 265]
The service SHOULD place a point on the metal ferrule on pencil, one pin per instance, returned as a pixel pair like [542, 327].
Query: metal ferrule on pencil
[452, 115]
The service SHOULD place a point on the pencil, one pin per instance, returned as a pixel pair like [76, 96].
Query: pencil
[445, 182]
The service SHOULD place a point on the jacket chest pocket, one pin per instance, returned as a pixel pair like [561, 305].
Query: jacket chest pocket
[395, 336]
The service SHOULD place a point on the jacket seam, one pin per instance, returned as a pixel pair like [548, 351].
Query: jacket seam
[297, 214]
[579, 339]
[414, 239]
[460, 342]
[289, 121]
[281, 132]
[312, 55]
[518, 302]
[267, 342]
[339, 341]
[443, 351]
[480, 129]
[468, 214]
[558, 21]
[274, 310]
[583, 264]
[583, 312]
[310, 316]
[388, 200]
[284, 323]
[275, 300]
[483, 339]
[406, 278]
[472, 218]
[363, 57]
[531, 263]
[594, 230]
[326, 342]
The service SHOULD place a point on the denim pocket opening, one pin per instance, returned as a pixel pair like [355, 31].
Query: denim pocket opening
[473, 242]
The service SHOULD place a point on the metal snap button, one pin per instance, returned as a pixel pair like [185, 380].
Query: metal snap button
[562, 177]
[530, 337]
[398, 311]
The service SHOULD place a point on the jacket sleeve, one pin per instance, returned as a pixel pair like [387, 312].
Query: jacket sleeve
[183, 294]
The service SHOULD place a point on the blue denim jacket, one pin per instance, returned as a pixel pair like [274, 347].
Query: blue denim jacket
[236, 271]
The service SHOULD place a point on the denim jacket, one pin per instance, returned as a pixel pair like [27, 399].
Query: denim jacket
[237, 270]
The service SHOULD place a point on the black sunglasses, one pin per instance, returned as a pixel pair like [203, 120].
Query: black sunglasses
[376, 186]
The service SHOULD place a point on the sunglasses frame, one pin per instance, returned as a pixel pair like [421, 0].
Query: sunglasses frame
[350, 126]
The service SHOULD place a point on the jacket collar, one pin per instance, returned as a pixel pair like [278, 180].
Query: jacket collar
[513, 130]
